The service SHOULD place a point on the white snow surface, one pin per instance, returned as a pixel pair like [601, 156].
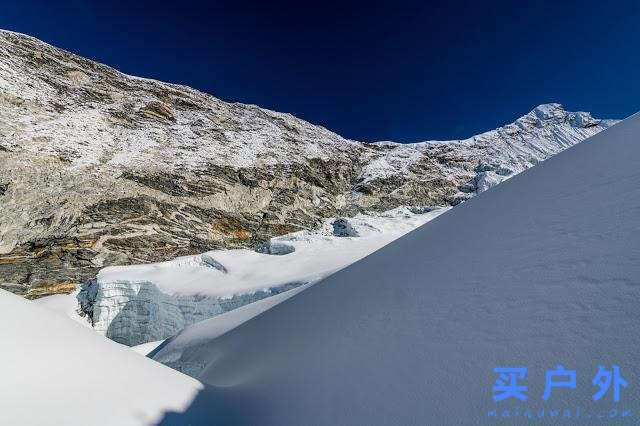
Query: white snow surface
[313, 255]
[540, 271]
[56, 372]
[146, 348]
[65, 305]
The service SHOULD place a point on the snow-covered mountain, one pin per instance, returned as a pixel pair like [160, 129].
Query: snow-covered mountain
[301, 277]
[98, 168]
[544, 278]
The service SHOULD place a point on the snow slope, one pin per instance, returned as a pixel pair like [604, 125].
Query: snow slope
[56, 372]
[65, 305]
[541, 271]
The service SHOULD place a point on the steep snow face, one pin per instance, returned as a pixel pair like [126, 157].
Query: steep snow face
[139, 304]
[56, 372]
[117, 170]
[539, 272]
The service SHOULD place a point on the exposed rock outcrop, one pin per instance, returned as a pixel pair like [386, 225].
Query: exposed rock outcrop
[99, 168]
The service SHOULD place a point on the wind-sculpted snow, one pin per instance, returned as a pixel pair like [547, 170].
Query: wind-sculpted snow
[145, 303]
[541, 271]
[119, 170]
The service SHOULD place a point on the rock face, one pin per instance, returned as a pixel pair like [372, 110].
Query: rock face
[99, 168]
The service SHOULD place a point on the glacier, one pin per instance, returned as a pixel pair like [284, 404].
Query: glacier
[133, 313]
[138, 304]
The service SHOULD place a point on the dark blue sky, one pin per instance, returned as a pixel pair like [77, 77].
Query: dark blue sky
[403, 71]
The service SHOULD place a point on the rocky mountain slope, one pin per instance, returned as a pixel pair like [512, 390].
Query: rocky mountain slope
[99, 168]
